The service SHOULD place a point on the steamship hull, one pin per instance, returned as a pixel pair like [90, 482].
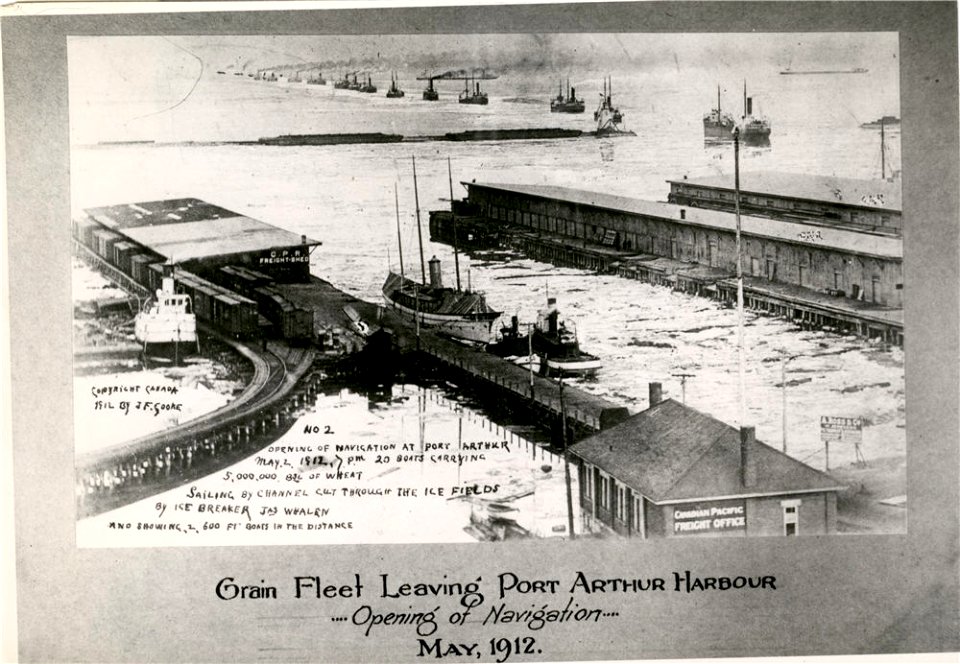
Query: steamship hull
[461, 315]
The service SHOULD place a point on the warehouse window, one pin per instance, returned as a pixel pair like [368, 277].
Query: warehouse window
[588, 483]
[604, 491]
[621, 503]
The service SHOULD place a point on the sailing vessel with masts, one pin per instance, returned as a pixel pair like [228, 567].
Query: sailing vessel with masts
[394, 92]
[471, 93]
[568, 103]
[462, 314]
[608, 116]
[754, 129]
[717, 125]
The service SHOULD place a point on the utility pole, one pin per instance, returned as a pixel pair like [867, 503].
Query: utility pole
[736, 199]
[683, 385]
[566, 461]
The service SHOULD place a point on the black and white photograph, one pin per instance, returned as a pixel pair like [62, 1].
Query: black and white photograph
[379, 320]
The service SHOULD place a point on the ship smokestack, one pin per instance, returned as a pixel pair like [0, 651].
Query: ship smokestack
[748, 461]
[166, 283]
[552, 322]
[573, 93]
[749, 105]
[656, 394]
[303, 239]
[436, 280]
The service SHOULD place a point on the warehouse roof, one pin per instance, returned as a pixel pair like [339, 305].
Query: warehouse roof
[842, 239]
[875, 194]
[672, 452]
[188, 229]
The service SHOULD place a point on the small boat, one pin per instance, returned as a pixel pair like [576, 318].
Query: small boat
[461, 314]
[317, 80]
[718, 125]
[167, 319]
[394, 92]
[472, 95]
[886, 121]
[754, 129]
[568, 104]
[608, 116]
[555, 341]
[345, 82]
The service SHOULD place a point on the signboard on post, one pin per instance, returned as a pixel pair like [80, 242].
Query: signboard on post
[835, 429]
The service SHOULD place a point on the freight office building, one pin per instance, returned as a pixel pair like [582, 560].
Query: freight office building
[672, 471]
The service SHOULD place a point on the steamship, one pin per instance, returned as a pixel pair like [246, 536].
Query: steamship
[753, 128]
[167, 320]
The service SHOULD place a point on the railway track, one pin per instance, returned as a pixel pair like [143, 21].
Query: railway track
[157, 462]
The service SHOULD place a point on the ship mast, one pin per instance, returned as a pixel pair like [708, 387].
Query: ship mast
[396, 202]
[453, 216]
[883, 156]
[719, 116]
[416, 201]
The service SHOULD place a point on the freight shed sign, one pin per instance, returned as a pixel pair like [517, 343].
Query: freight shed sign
[283, 256]
[695, 518]
[837, 429]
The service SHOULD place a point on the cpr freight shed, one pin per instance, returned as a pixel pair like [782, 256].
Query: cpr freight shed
[868, 205]
[828, 276]
[208, 245]
[200, 237]
[672, 471]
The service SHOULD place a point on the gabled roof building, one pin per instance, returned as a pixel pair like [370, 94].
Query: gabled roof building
[674, 471]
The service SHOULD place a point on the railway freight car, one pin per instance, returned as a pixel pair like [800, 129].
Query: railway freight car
[292, 322]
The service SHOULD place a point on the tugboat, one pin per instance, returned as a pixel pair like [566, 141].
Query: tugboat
[167, 320]
[556, 343]
[461, 314]
[317, 80]
[474, 96]
[394, 92]
[551, 348]
[608, 116]
[754, 129]
[568, 104]
[717, 125]
[345, 82]
[368, 87]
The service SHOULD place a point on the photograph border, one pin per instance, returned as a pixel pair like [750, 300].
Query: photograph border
[838, 595]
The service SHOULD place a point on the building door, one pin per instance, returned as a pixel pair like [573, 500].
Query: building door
[637, 524]
[791, 517]
[674, 250]
[714, 259]
[755, 267]
[771, 270]
[875, 291]
[803, 275]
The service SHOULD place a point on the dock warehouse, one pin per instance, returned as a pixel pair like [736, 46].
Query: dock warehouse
[826, 259]
[870, 205]
[672, 471]
[198, 235]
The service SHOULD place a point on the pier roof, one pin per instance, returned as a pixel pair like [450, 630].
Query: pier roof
[188, 229]
[873, 194]
[823, 237]
[671, 452]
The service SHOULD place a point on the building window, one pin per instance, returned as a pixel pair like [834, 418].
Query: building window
[755, 267]
[604, 491]
[791, 517]
[588, 482]
[876, 293]
[621, 503]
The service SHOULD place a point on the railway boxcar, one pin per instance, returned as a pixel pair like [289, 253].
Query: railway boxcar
[290, 321]
[235, 315]
[82, 230]
[243, 280]
[102, 243]
[140, 267]
[123, 252]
